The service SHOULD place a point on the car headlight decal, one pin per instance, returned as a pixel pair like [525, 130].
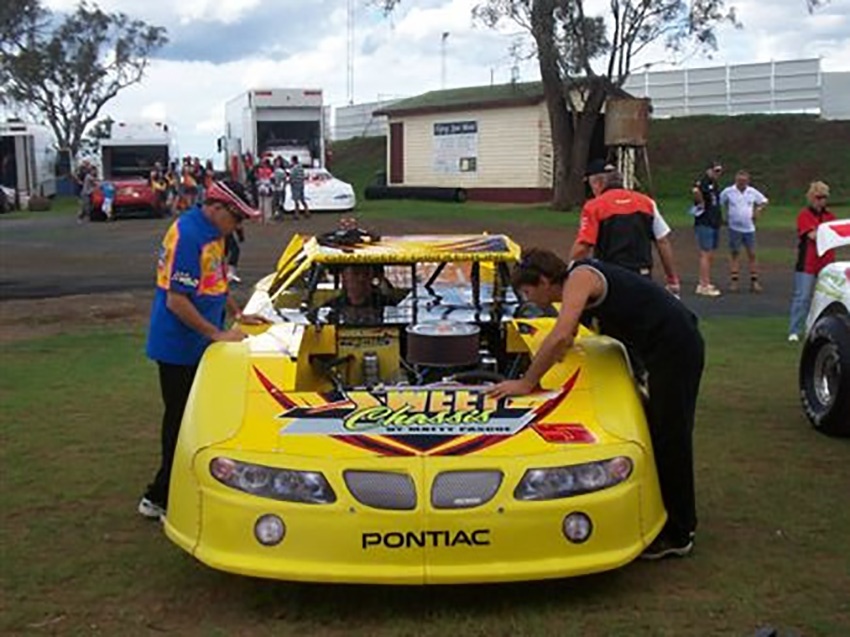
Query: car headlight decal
[553, 483]
[306, 487]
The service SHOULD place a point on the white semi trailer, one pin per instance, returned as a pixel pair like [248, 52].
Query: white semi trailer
[271, 122]
[27, 161]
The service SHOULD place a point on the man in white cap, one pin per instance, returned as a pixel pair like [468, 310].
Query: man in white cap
[188, 312]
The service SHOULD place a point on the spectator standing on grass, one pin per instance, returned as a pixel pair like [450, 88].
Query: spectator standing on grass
[200, 176]
[159, 187]
[209, 173]
[265, 189]
[279, 184]
[809, 264]
[86, 191]
[233, 251]
[188, 313]
[251, 177]
[171, 189]
[296, 187]
[663, 333]
[707, 222]
[620, 226]
[744, 205]
[79, 178]
[188, 189]
[107, 188]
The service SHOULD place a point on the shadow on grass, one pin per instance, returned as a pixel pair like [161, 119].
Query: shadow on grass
[358, 604]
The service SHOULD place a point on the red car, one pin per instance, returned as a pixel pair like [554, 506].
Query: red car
[132, 195]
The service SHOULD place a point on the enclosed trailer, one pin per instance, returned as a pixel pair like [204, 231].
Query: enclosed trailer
[272, 122]
[27, 160]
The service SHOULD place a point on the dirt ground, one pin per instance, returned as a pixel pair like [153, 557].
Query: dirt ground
[56, 274]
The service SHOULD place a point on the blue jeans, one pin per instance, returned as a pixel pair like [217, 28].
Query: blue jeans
[804, 287]
[736, 238]
[708, 238]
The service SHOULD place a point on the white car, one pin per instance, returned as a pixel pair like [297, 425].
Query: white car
[323, 191]
[825, 363]
[7, 199]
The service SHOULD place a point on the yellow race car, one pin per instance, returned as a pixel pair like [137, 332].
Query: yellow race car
[343, 446]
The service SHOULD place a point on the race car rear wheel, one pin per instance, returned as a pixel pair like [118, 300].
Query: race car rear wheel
[825, 376]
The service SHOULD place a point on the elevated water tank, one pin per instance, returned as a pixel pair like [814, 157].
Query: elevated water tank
[627, 122]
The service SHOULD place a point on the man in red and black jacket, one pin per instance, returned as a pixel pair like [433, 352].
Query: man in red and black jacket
[809, 264]
[619, 226]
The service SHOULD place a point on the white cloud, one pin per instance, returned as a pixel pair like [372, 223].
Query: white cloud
[155, 111]
[402, 54]
[228, 11]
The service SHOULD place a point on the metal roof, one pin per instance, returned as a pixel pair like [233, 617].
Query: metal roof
[499, 95]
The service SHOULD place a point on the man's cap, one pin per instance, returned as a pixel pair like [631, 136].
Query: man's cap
[231, 193]
[598, 167]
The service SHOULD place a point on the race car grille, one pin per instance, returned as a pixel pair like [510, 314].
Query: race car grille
[382, 489]
[464, 489]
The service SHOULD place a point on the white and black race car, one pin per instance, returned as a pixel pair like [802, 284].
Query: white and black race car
[825, 363]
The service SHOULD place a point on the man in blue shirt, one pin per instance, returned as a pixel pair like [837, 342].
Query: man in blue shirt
[188, 312]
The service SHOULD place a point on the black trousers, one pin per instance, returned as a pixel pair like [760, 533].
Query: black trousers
[175, 382]
[232, 250]
[674, 381]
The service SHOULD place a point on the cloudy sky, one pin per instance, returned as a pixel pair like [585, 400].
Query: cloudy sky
[219, 48]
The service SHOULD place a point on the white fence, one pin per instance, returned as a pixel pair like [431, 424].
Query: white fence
[771, 87]
[836, 96]
[357, 121]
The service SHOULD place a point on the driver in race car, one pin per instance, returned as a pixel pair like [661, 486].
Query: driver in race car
[661, 330]
[362, 301]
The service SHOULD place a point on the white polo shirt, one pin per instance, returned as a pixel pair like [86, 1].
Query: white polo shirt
[740, 207]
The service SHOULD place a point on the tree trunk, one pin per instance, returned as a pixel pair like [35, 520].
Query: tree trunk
[543, 30]
[585, 122]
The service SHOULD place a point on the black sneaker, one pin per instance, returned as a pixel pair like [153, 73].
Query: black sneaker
[663, 547]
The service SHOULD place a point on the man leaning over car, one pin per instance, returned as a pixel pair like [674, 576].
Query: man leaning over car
[661, 331]
[188, 313]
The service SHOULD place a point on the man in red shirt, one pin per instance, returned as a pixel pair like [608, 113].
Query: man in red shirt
[619, 226]
[809, 264]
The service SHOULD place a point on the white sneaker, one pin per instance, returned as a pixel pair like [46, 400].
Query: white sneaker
[707, 290]
[793, 338]
[150, 510]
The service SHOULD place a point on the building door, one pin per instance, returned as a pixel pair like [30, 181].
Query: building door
[397, 153]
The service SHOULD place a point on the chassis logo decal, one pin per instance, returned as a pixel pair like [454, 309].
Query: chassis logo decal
[412, 421]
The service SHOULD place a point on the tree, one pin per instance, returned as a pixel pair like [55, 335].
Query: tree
[593, 55]
[68, 73]
[90, 144]
[18, 20]
[571, 43]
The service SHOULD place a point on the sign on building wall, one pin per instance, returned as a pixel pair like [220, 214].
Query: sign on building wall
[456, 147]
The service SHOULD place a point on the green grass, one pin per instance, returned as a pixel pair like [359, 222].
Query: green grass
[59, 207]
[79, 419]
[675, 211]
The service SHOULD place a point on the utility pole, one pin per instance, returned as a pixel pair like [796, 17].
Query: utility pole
[443, 59]
[349, 78]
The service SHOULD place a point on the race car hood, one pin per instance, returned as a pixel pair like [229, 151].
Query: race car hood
[442, 419]
[833, 234]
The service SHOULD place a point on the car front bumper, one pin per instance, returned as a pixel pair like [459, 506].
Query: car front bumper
[500, 541]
